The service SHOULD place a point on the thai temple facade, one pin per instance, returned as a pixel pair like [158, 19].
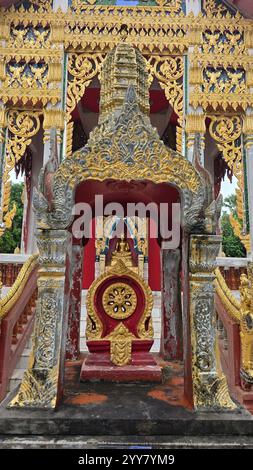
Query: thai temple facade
[124, 118]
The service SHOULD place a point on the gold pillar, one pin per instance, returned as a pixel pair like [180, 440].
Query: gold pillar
[195, 124]
[2, 143]
[248, 143]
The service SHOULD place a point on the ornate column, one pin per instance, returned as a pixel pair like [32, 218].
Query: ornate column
[248, 141]
[195, 124]
[76, 277]
[3, 125]
[54, 118]
[195, 119]
[43, 381]
[209, 384]
[171, 335]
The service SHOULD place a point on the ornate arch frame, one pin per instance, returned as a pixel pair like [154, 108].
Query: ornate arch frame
[123, 147]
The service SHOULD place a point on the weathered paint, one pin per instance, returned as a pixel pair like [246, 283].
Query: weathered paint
[73, 333]
[171, 340]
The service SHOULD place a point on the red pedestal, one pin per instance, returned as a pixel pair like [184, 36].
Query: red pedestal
[98, 366]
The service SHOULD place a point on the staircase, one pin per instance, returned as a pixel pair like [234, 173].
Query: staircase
[17, 313]
[20, 368]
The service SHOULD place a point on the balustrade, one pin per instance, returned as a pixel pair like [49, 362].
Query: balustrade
[17, 310]
[10, 267]
[231, 342]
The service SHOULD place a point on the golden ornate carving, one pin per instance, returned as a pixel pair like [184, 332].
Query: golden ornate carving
[3, 118]
[242, 312]
[7, 302]
[54, 118]
[169, 71]
[22, 126]
[246, 325]
[223, 42]
[195, 124]
[121, 345]
[143, 27]
[248, 125]
[214, 394]
[127, 61]
[226, 131]
[82, 68]
[80, 6]
[127, 163]
[163, 28]
[37, 389]
[69, 139]
[4, 28]
[29, 36]
[228, 299]
[119, 301]
[122, 296]
[9, 216]
[238, 223]
[26, 76]
[123, 253]
[214, 9]
[94, 326]
[168, 168]
[224, 81]
[2, 71]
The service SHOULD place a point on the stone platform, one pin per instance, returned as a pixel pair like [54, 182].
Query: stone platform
[143, 368]
[104, 409]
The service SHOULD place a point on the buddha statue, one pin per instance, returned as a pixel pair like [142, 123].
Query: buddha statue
[123, 252]
[122, 246]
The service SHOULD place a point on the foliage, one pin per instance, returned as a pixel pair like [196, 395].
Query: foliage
[11, 238]
[231, 244]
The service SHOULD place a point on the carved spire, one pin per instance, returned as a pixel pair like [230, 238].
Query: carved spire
[122, 67]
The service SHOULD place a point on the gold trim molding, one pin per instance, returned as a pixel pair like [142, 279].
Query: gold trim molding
[7, 302]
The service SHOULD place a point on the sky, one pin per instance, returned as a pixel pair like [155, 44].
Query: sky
[228, 188]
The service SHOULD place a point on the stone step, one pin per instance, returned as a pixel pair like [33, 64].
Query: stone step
[29, 343]
[127, 442]
[23, 361]
[16, 379]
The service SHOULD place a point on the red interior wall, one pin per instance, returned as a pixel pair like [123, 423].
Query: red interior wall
[89, 255]
[154, 265]
[154, 277]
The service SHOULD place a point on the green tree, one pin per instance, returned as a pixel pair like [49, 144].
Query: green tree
[11, 238]
[231, 244]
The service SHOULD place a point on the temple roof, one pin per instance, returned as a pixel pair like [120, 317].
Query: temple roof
[244, 6]
[7, 3]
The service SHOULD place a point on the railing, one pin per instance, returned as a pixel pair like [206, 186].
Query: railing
[233, 338]
[10, 266]
[232, 269]
[16, 320]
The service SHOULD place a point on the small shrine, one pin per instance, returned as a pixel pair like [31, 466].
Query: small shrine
[126, 277]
